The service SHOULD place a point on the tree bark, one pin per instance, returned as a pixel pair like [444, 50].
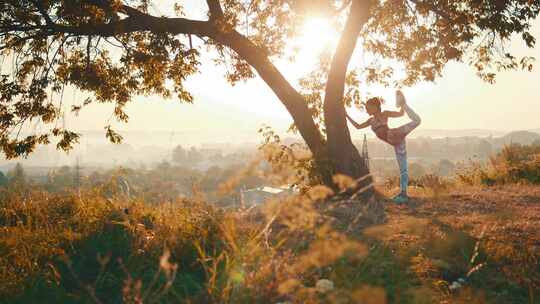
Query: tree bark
[341, 150]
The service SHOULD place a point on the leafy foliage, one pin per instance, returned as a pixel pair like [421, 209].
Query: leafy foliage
[294, 163]
[425, 35]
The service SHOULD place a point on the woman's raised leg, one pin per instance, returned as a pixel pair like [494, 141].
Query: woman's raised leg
[416, 120]
[407, 128]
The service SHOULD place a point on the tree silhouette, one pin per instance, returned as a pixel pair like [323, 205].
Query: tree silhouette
[179, 155]
[445, 167]
[17, 177]
[117, 49]
[3, 179]
[484, 149]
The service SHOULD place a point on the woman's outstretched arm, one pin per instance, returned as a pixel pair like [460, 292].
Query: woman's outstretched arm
[365, 124]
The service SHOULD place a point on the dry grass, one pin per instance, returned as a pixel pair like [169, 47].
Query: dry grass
[514, 164]
[488, 236]
[90, 248]
[103, 247]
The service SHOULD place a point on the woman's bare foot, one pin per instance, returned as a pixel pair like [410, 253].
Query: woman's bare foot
[400, 99]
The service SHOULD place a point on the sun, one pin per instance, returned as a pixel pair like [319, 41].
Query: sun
[317, 35]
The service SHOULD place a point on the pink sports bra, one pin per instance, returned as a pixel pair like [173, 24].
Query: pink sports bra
[380, 128]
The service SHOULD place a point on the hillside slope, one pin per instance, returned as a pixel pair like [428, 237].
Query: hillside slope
[486, 239]
[468, 245]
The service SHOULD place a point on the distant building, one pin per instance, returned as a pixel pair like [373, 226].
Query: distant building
[257, 196]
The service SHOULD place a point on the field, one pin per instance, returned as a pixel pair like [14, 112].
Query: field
[486, 236]
[470, 239]
[91, 249]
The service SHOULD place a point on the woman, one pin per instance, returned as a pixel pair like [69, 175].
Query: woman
[395, 137]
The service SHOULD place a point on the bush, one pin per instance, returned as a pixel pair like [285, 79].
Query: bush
[91, 247]
[434, 184]
[70, 248]
[513, 164]
[437, 185]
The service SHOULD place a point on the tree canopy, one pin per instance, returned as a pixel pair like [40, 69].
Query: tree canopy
[117, 49]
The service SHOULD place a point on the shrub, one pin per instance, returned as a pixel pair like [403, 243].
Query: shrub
[68, 248]
[513, 164]
[434, 184]
[96, 246]
[437, 185]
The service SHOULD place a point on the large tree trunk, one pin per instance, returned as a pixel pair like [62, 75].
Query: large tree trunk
[341, 150]
[338, 154]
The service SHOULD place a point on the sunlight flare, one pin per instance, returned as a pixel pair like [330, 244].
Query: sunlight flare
[317, 35]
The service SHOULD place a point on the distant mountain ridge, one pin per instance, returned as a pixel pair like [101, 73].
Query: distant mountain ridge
[521, 137]
[209, 138]
[442, 133]
[457, 133]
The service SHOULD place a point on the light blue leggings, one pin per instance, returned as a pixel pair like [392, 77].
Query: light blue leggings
[401, 147]
[401, 156]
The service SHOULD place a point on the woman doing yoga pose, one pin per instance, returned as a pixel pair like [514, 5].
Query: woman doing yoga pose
[395, 136]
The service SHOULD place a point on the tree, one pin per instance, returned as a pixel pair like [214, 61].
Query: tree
[17, 177]
[416, 170]
[194, 156]
[3, 179]
[211, 179]
[445, 168]
[179, 155]
[77, 175]
[116, 49]
[484, 149]
[61, 179]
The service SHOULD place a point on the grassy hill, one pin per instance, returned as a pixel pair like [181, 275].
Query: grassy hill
[453, 243]
[89, 249]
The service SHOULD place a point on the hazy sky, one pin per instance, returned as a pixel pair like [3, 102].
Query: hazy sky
[459, 100]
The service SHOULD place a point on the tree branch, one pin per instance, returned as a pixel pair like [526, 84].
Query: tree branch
[138, 21]
[43, 12]
[215, 10]
[4, 28]
[287, 94]
[21, 40]
[335, 86]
